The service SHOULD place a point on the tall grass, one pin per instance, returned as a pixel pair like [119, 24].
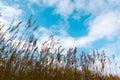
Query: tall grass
[26, 61]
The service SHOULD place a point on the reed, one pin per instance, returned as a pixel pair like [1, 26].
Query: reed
[26, 61]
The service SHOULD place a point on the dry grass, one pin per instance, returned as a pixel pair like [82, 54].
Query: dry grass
[21, 61]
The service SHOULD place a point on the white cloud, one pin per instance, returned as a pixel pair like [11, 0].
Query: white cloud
[50, 3]
[90, 6]
[8, 12]
[85, 41]
[103, 26]
[64, 8]
[35, 1]
[114, 3]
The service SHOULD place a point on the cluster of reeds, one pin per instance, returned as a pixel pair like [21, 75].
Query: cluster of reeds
[26, 61]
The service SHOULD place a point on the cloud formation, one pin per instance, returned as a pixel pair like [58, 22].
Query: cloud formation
[103, 23]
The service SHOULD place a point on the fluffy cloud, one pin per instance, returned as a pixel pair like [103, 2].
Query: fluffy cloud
[105, 25]
[90, 6]
[50, 3]
[8, 12]
[65, 8]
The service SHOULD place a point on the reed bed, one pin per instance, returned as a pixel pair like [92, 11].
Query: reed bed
[26, 61]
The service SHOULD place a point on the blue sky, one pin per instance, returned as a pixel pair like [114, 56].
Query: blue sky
[86, 24]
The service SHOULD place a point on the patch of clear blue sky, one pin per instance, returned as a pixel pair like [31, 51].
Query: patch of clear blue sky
[79, 27]
[46, 17]
[99, 43]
